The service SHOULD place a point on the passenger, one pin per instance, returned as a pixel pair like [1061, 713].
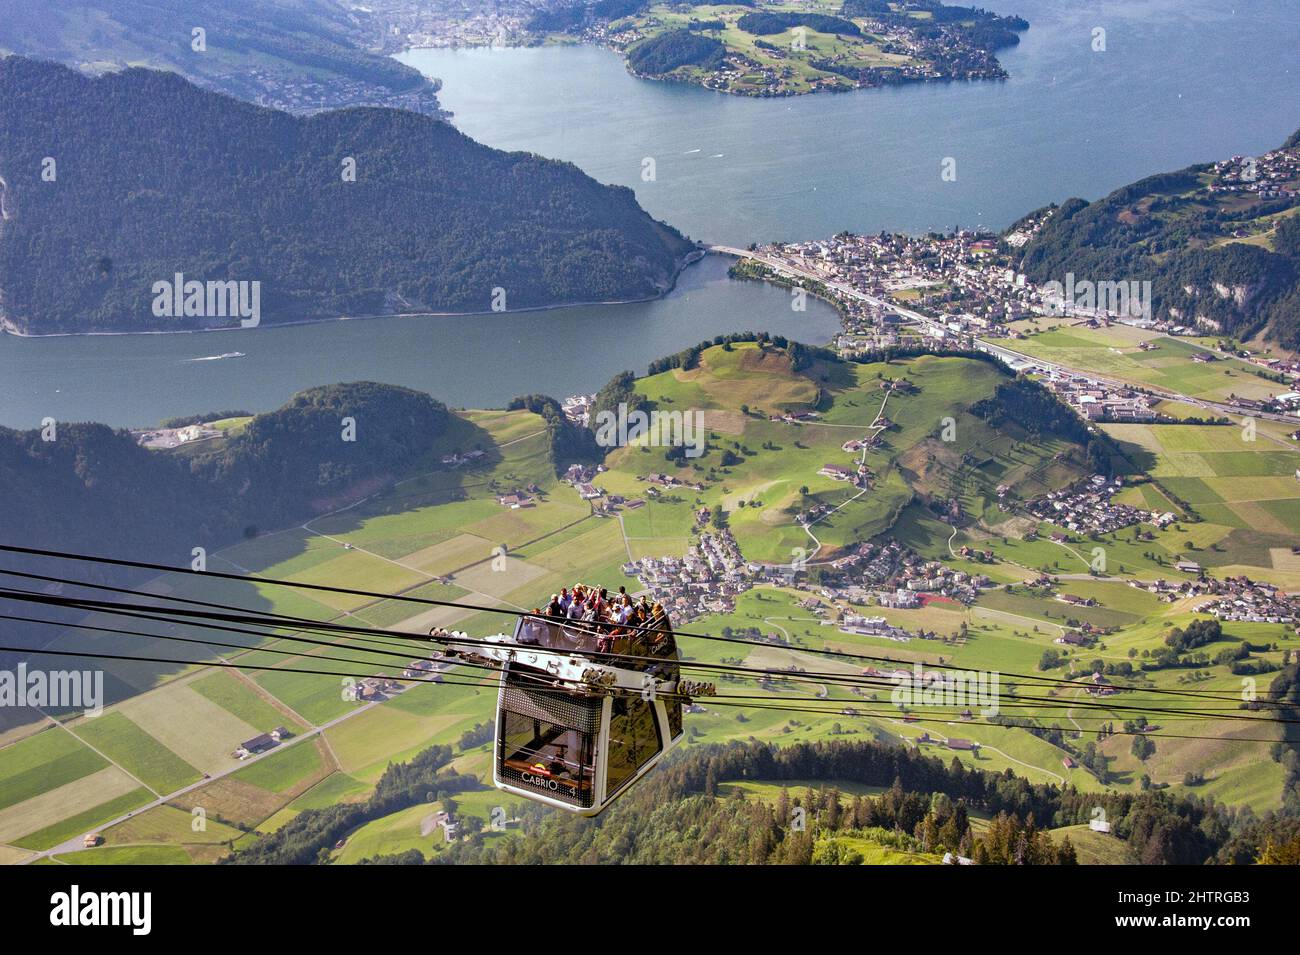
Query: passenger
[623, 612]
[565, 599]
[555, 608]
[532, 630]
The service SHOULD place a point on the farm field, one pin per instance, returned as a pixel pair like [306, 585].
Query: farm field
[1114, 353]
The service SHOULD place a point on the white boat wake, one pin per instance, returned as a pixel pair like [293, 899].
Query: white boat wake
[229, 354]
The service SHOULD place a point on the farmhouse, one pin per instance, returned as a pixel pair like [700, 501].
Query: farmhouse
[258, 744]
[836, 472]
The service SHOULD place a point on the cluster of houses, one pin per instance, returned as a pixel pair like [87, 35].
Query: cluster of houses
[519, 497]
[577, 409]
[440, 821]
[296, 91]
[581, 478]
[895, 576]
[1080, 639]
[1087, 507]
[952, 742]
[660, 482]
[1274, 175]
[162, 438]
[426, 670]
[375, 688]
[857, 474]
[955, 277]
[1243, 599]
[1095, 401]
[707, 580]
[865, 626]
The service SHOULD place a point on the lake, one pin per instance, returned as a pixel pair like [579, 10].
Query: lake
[477, 361]
[1180, 81]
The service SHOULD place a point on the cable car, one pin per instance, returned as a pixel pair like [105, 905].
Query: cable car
[581, 715]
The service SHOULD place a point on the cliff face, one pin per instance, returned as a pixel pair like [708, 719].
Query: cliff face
[136, 201]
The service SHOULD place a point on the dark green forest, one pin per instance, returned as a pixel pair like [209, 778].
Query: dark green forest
[156, 177]
[290, 42]
[667, 51]
[766, 24]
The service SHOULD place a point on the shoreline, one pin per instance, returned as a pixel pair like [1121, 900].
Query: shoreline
[698, 255]
[535, 41]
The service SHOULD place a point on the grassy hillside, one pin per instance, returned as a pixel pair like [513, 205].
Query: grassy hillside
[739, 389]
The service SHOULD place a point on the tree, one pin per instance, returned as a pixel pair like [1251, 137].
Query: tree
[1285, 853]
[1065, 854]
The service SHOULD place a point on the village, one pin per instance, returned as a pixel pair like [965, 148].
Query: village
[713, 573]
[1242, 599]
[1270, 176]
[1086, 507]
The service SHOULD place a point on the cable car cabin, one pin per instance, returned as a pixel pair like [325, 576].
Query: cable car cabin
[575, 747]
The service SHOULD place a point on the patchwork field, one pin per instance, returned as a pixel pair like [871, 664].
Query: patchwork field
[1114, 353]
